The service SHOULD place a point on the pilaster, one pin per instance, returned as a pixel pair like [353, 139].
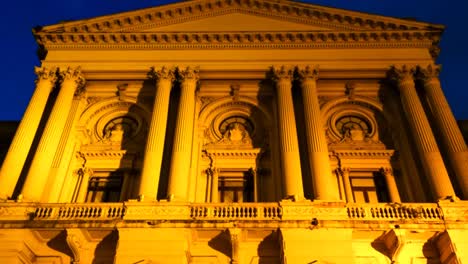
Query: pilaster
[391, 185]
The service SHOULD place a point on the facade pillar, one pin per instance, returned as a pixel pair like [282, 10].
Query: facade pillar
[72, 81]
[422, 134]
[347, 184]
[452, 137]
[182, 148]
[289, 147]
[84, 174]
[24, 136]
[324, 182]
[153, 155]
[391, 185]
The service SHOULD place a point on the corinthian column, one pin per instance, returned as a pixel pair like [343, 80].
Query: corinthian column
[325, 184]
[291, 166]
[452, 138]
[422, 134]
[181, 150]
[72, 81]
[157, 131]
[19, 148]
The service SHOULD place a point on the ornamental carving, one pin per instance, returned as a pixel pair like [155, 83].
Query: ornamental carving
[308, 73]
[428, 74]
[164, 73]
[46, 74]
[188, 74]
[281, 73]
[75, 75]
[401, 74]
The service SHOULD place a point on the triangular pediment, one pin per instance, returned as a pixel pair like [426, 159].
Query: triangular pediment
[237, 22]
[238, 15]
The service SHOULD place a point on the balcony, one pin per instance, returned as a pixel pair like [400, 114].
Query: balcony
[280, 213]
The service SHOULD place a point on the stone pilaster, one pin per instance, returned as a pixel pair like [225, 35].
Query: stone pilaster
[452, 138]
[324, 182]
[22, 141]
[422, 134]
[391, 185]
[153, 155]
[289, 147]
[72, 81]
[347, 184]
[84, 174]
[181, 150]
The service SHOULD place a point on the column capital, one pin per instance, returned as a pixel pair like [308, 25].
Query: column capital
[188, 73]
[164, 73]
[282, 73]
[401, 74]
[308, 73]
[344, 170]
[386, 171]
[46, 74]
[429, 73]
[74, 75]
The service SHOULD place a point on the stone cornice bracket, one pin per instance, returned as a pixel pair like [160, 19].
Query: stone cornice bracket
[75, 241]
[281, 73]
[307, 73]
[350, 91]
[235, 237]
[165, 73]
[393, 242]
[401, 74]
[44, 73]
[428, 74]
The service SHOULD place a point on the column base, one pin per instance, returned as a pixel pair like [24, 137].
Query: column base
[448, 199]
[293, 198]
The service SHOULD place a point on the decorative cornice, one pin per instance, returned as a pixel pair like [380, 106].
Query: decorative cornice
[203, 40]
[284, 10]
[364, 153]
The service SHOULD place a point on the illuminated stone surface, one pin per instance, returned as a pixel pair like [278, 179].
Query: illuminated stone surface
[236, 132]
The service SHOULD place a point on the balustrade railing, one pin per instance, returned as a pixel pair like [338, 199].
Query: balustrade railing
[257, 211]
[79, 211]
[394, 211]
[228, 211]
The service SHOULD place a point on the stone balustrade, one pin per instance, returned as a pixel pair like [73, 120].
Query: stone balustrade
[409, 211]
[281, 211]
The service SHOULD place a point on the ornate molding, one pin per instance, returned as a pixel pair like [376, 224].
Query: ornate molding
[289, 11]
[204, 40]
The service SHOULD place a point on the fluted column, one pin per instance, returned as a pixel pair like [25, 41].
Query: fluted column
[422, 134]
[72, 81]
[153, 155]
[325, 184]
[22, 141]
[347, 184]
[289, 147]
[391, 185]
[452, 138]
[182, 147]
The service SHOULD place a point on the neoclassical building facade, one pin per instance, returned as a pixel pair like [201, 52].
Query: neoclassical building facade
[236, 131]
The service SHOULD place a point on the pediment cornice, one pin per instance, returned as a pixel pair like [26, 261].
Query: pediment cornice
[140, 20]
[328, 28]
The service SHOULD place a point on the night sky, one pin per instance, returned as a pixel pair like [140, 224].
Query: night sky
[19, 48]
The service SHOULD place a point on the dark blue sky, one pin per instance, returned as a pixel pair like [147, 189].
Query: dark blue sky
[19, 17]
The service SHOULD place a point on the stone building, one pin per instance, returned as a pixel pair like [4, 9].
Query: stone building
[236, 131]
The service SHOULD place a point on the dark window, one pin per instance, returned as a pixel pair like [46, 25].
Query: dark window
[104, 189]
[235, 187]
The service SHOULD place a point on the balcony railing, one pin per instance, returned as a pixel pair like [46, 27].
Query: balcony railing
[300, 211]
